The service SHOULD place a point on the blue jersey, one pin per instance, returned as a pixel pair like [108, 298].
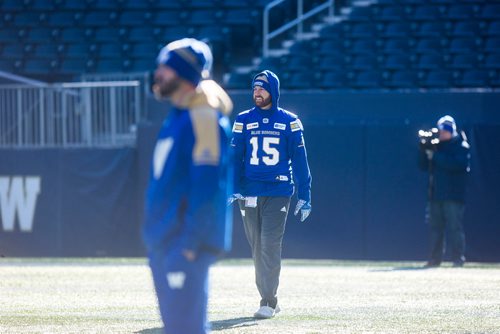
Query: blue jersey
[269, 152]
[189, 183]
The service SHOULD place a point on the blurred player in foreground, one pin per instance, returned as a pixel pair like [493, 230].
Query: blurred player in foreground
[187, 222]
[269, 153]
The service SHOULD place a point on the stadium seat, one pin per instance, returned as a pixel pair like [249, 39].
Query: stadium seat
[391, 13]
[398, 29]
[363, 30]
[100, 19]
[168, 34]
[169, 18]
[12, 6]
[213, 33]
[461, 12]
[39, 66]
[331, 46]
[403, 79]
[492, 61]
[9, 35]
[73, 5]
[493, 28]
[109, 66]
[236, 3]
[364, 46]
[134, 18]
[492, 45]
[142, 65]
[463, 45]
[7, 65]
[43, 5]
[204, 17]
[490, 11]
[464, 61]
[72, 66]
[76, 35]
[80, 50]
[145, 50]
[239, 81]
[364, 62]
[432, 29]
[299, 62]
[397, 62]
[29, 19]
[397, 45]
[332, 62]
[474, 79]
[431, 61]
[429, 45]
[368, 79]
[48, 51]
[143, 34]
[361, 14]
[241, 17]
[40, 34]
[64, 19]
[427, 13]
[438, 79]
[334, 79]
[110, 50]
[300, 80]
[13, 51]
[139, 4]
[199, 4]
[112, 34]
[271, 63]
[466, 29]
[168, 4]
[107, 4]
[334, 31]
[305, 48]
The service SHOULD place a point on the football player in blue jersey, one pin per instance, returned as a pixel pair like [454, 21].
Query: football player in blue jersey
[270, 161]
[187, 223]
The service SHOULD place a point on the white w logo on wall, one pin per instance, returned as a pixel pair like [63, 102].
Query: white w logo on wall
[18, 194]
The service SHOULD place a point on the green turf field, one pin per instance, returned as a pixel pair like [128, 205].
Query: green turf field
[116, 296]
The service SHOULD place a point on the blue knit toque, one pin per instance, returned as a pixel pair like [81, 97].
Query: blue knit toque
[190, 58]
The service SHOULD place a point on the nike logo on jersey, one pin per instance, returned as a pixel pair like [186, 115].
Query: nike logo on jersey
[283, 209]
[282, 178]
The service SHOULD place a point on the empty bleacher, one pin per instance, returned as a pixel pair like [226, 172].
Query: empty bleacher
[68, 38]
[402, 44]
[384, 44]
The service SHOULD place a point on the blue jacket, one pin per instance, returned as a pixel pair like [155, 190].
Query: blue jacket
[449, 168]
[190, 176]
[269, 150]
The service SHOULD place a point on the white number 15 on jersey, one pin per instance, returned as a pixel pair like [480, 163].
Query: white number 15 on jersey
[272, 156]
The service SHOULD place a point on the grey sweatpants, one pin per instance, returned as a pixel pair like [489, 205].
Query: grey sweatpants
[264, 228]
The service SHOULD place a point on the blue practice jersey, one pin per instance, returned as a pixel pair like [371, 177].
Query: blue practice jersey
[190, 181]
[270, 153]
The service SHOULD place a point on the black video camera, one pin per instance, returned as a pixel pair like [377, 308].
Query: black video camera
[428, 138]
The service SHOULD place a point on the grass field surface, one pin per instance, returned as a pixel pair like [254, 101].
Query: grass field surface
[116, 296]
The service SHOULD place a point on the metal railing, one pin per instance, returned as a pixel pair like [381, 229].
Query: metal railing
[82, 114]
[298, 21]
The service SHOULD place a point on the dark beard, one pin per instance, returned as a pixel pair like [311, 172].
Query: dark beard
[265, 102]
[164, 90]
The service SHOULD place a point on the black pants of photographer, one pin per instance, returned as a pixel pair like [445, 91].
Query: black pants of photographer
[447, 215]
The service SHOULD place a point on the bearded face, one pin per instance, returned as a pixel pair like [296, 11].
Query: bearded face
[166, 82]
[262, 98]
